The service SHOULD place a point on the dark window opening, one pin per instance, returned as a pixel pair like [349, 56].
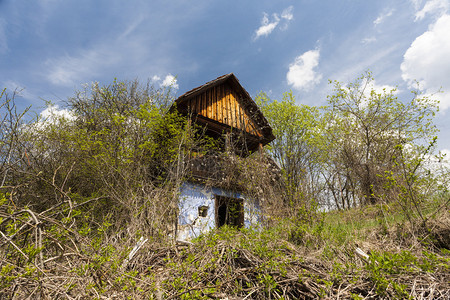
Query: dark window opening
[203, 211]
[229, 211]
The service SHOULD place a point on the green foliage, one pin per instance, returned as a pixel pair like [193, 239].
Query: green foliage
[257, 262]
[78, 191]
[297, 147]
[370, 133]
[386, 267]
[365, 146]
[117, 143]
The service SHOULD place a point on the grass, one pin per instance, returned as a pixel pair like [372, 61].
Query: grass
[293, 259]
[296, 259]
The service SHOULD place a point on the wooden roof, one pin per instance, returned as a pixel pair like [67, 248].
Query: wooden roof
[223, 105]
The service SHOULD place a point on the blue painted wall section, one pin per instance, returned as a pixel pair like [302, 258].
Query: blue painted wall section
[193, 196]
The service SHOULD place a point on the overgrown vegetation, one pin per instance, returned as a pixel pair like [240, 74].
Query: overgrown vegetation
[364, 147]
[80, 190]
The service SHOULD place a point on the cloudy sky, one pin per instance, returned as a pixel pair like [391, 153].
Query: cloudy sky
[49, 48]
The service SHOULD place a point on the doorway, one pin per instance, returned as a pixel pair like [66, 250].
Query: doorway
[229, 211]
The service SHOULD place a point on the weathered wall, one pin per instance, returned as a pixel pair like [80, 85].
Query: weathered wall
[221, 103]
[191, 225]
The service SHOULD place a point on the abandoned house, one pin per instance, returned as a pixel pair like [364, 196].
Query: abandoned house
[227, 113]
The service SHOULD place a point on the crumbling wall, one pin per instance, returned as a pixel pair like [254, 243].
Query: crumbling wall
[193, 196]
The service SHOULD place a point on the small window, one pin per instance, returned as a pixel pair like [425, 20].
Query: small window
[203, 211]
[229, 211]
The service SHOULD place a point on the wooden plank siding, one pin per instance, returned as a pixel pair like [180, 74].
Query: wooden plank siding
[221, 104]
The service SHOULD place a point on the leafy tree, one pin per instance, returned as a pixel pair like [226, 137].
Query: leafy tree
[371, 135]
[119, 144]
[296, 148]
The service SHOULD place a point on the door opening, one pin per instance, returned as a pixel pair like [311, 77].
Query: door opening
[229, 211]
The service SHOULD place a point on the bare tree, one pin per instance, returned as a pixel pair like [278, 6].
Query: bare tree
[10, 131]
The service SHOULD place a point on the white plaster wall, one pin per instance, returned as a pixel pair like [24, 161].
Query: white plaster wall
[191, 225]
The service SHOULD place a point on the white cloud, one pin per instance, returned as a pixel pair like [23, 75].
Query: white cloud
[369, 40]
[433, 7]
[366, 87]
[132, 27]
[123, 52]
[379, 89]
[170, 81]
[287, 13]
[19, 89]
[382, 17]
[428, 61]
[302, 74]
[416, 3]
[267, 26]
[52, 113]
[72, 70]
[13, 86]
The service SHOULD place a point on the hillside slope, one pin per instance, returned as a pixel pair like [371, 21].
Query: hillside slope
[47, 257]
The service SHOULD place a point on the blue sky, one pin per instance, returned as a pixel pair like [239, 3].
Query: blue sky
[50, 48]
